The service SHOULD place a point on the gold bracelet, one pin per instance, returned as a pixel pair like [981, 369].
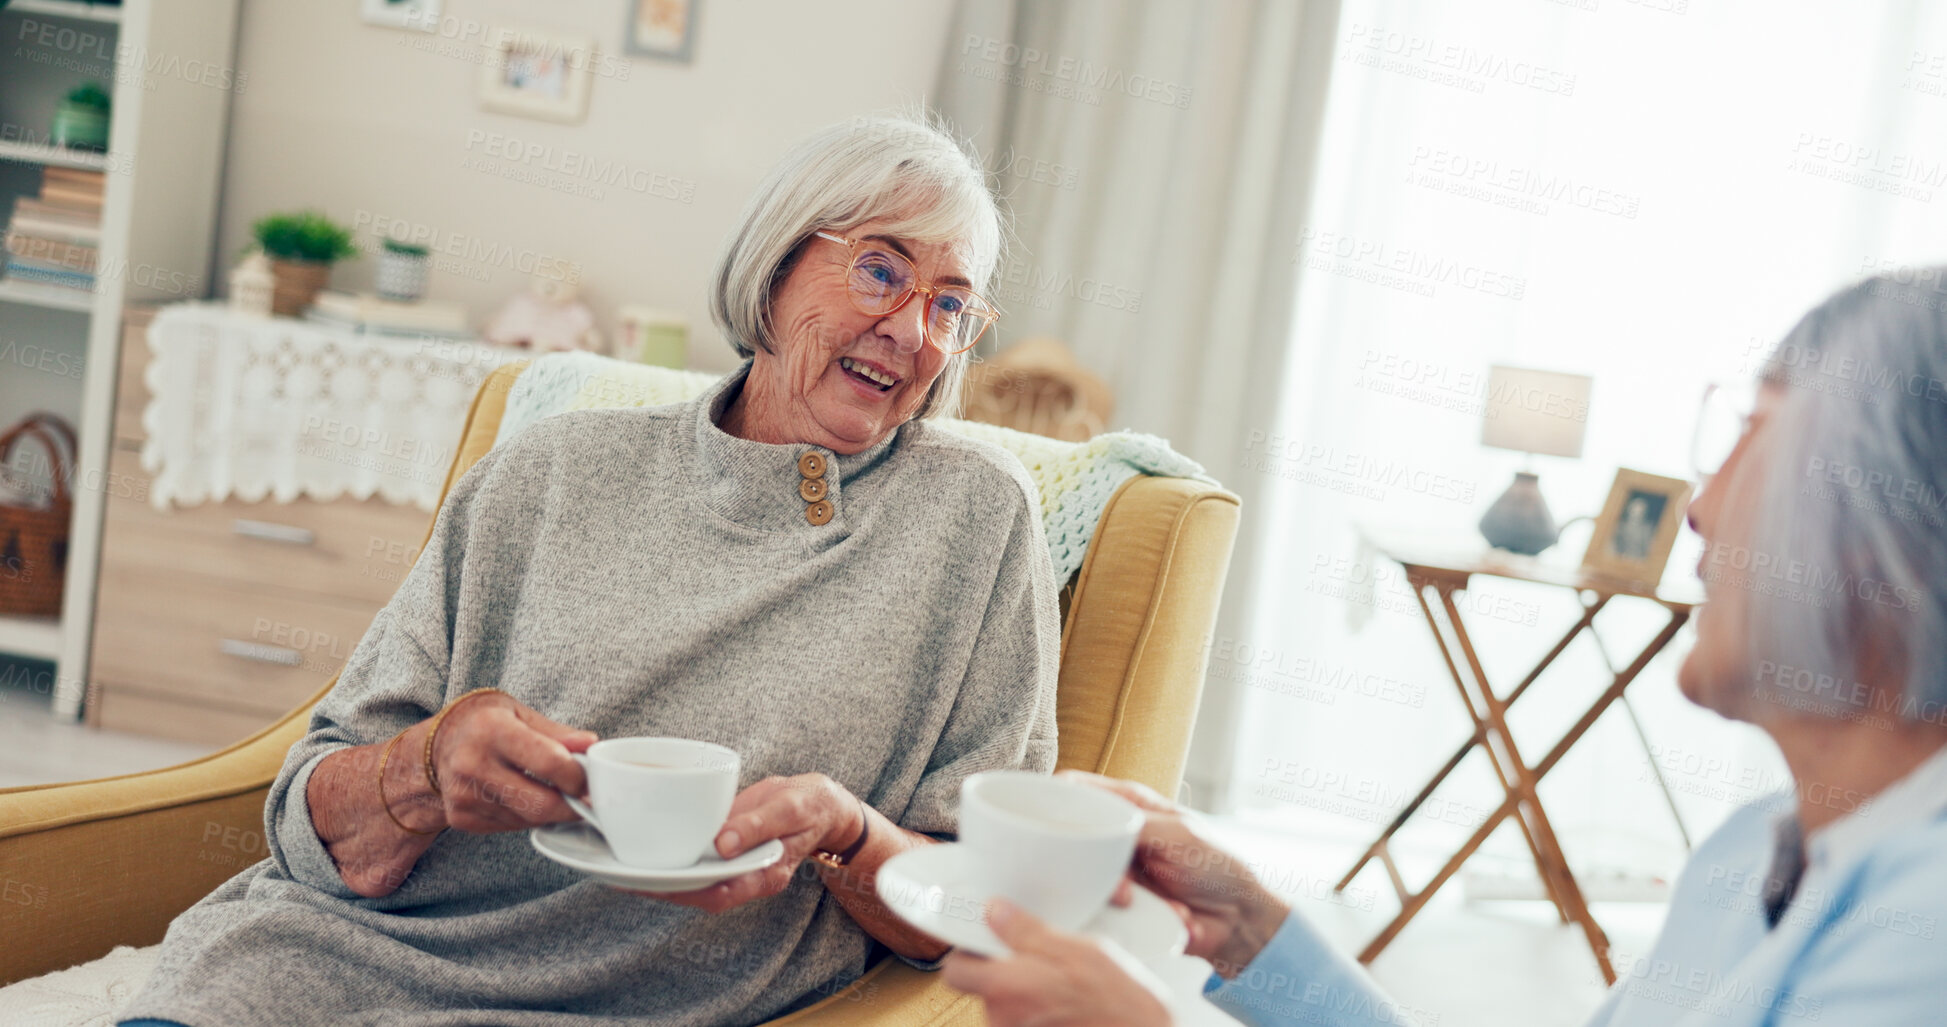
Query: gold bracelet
[432, 776]
[387, 806]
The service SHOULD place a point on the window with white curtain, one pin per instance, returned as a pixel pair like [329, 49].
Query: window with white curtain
[1650, 192]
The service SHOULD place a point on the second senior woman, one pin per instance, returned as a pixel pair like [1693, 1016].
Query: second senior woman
[796, 565]
[1824, 626]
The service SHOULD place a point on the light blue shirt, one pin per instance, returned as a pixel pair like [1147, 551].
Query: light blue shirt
[1859, 945]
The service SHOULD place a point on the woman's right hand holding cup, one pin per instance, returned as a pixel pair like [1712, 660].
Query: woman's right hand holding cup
[494, 765]
[1229, 912]
[501, 766]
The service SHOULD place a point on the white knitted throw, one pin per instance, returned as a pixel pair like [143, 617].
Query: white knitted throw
[1074, 479]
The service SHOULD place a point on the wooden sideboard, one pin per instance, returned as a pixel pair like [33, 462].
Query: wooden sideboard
[213, 620]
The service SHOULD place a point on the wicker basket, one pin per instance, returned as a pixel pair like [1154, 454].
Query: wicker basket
[34, 539]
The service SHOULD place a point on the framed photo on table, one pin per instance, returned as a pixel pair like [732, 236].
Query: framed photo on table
[536, 75]
[1637, 527]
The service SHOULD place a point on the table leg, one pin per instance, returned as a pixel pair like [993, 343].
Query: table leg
[1548, 851]
[1406, 812]
[1642, 736]
[1374, 850]
[1586, 623]
[1411, 905]
[1484, 724]
[1613, 692]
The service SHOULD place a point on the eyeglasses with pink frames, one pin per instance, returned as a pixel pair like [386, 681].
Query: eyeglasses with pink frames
[880, 280]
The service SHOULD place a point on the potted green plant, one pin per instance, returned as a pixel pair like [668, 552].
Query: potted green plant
[81, 121]
[402, 270]
[301, 247]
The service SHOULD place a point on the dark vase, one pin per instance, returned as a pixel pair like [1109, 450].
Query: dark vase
[1519, 520]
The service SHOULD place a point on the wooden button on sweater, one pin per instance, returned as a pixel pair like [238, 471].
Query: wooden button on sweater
[812, 465]
[812, 489]
[819, 513]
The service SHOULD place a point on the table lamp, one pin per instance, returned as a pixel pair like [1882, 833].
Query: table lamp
[1531, 412]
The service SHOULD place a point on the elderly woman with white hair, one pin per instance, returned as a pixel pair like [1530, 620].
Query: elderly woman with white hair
[795, 565]
[1825, 627]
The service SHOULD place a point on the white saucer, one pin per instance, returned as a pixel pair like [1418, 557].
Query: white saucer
[578, 846]
[932, 888]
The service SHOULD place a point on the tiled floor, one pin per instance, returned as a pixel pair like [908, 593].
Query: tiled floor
[1459, 964]
[37, 748]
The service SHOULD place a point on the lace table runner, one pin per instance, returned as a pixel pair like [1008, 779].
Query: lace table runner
[275, 408]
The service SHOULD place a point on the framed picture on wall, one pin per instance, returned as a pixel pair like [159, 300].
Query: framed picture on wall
[1637, 527]
[661, 28]
[536, 75]
[401, 14]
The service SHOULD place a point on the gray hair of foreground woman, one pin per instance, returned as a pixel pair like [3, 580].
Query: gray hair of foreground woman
[911, 172]
[1849, 508]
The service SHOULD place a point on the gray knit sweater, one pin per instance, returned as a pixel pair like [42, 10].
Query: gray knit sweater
[640, 572]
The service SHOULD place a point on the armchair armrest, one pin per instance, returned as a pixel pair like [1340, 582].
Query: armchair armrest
[89, 865]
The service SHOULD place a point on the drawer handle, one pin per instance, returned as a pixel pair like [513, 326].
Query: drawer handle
[268, 531]
[260, 652]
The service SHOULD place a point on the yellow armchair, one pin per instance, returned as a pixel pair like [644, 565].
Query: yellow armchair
[90, 865]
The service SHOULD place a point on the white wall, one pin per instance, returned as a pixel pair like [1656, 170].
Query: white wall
[357, 121]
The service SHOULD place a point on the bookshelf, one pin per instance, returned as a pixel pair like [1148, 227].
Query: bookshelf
[51, 156]
[157, 234]
[36, 637]
[52, 297]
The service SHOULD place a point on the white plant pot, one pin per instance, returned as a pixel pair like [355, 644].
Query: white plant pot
[402, 276]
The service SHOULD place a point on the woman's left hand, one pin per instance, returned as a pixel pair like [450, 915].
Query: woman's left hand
[807, 812]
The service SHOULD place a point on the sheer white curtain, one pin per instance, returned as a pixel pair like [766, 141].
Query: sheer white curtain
[1646, 191]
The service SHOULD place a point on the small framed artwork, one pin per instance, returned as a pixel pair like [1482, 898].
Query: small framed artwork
[401, 14]
[1637, 527]
[536, 75]
[661, 28]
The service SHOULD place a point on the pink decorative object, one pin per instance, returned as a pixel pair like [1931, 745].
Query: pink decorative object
[547, 317]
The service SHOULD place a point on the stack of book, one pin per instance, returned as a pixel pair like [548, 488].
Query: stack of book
[367, 313]
[53, 239]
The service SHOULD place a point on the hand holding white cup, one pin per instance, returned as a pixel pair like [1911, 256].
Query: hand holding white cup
[658, 802]
[1056, 848]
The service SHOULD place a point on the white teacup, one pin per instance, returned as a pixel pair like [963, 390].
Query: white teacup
[1056, 848]
[659, 802]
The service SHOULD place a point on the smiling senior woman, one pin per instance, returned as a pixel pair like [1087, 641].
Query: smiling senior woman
[794, 565]
[1825, 627]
